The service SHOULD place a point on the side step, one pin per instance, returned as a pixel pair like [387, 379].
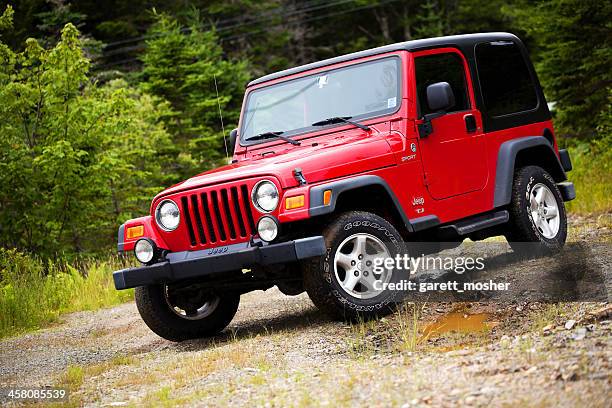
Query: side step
[477, 223]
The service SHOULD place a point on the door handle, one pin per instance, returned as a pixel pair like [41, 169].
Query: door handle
[470, 123]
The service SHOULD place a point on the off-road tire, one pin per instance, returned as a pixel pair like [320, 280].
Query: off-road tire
[156, 313]
[521, 228]
[324, 289]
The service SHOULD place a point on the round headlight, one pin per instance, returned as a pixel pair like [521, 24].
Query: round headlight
[167, 215]
[267, 228]
[265, 196]
[144, 250]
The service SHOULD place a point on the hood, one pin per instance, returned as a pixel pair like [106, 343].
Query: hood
[346, 153]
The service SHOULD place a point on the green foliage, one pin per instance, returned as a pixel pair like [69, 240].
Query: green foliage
[430, 20]
[67, 147]
[6, 19]
[574, 57]
[592, 175]
[34, 293]
[477, 16]
[181, 65]
[53, 21]
[592, 162]
[56, 18]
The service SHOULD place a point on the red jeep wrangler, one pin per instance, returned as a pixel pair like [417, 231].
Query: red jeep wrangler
[343, 161]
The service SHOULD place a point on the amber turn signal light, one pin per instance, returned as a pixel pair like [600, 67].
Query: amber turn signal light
[327, 195]
[294, 202]
[135, 232]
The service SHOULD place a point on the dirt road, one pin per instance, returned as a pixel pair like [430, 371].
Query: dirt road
[280, 351]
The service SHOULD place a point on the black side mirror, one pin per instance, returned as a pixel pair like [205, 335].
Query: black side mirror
[232, 141]
[440, 98]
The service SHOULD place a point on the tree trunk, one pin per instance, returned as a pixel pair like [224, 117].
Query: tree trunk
[383, 22]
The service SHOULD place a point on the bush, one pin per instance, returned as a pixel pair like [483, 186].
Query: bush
[34, 293]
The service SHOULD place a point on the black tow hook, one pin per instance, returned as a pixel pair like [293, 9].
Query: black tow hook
[253, 243]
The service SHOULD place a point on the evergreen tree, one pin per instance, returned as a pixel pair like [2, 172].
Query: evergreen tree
[186, 66]
[573, 39]
[430, 21]
[53, 21]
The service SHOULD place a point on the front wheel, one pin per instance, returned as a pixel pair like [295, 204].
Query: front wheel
[182, 314]
[537, 213]
[349, 281]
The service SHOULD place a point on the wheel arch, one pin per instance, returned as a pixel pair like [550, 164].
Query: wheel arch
[516, 153]
[365, 192]
[548, 134]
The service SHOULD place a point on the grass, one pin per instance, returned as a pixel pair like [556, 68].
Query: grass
[408, 319]
[33, 294]
[170, 383]
[359, 343]
[160, 398]
[73, 378]
[551, 314]
[592, 177]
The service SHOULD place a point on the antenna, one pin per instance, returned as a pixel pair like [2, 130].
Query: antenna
[221, 117]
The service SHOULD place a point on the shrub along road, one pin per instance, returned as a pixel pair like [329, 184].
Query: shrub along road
[281, 351]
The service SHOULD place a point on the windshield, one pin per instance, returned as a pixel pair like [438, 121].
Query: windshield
[358, 91]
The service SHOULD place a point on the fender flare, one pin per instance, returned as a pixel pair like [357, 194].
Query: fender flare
[120, 240]
[338, 187]
[506, 158]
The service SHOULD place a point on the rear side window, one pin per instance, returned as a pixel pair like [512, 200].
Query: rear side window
[447, 67]
[505, 81]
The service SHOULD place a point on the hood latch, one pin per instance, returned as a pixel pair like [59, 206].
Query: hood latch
[297, 173]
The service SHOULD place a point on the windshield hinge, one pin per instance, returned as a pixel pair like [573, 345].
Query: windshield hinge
[299, 177]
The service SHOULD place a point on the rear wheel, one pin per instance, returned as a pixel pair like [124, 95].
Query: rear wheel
[537, 212]
[184, 314]
[347, 282]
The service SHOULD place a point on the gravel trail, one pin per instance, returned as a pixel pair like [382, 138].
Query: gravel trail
[280, 351]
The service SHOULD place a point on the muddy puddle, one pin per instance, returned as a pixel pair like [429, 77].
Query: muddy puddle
[458, 322]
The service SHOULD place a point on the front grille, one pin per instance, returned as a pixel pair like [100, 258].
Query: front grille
[219, 215]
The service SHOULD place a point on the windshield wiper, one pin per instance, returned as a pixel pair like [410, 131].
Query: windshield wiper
[269, 135]
[340, 119]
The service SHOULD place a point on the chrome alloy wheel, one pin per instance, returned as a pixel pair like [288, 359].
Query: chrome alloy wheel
[205, 308]
[544, 211]
[354, 264]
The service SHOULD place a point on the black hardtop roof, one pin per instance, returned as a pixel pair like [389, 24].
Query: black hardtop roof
[459, 41]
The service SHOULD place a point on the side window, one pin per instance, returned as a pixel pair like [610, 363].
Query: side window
[504, 78]
[446, 67]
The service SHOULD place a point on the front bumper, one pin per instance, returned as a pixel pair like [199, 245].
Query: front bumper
[190, 265]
